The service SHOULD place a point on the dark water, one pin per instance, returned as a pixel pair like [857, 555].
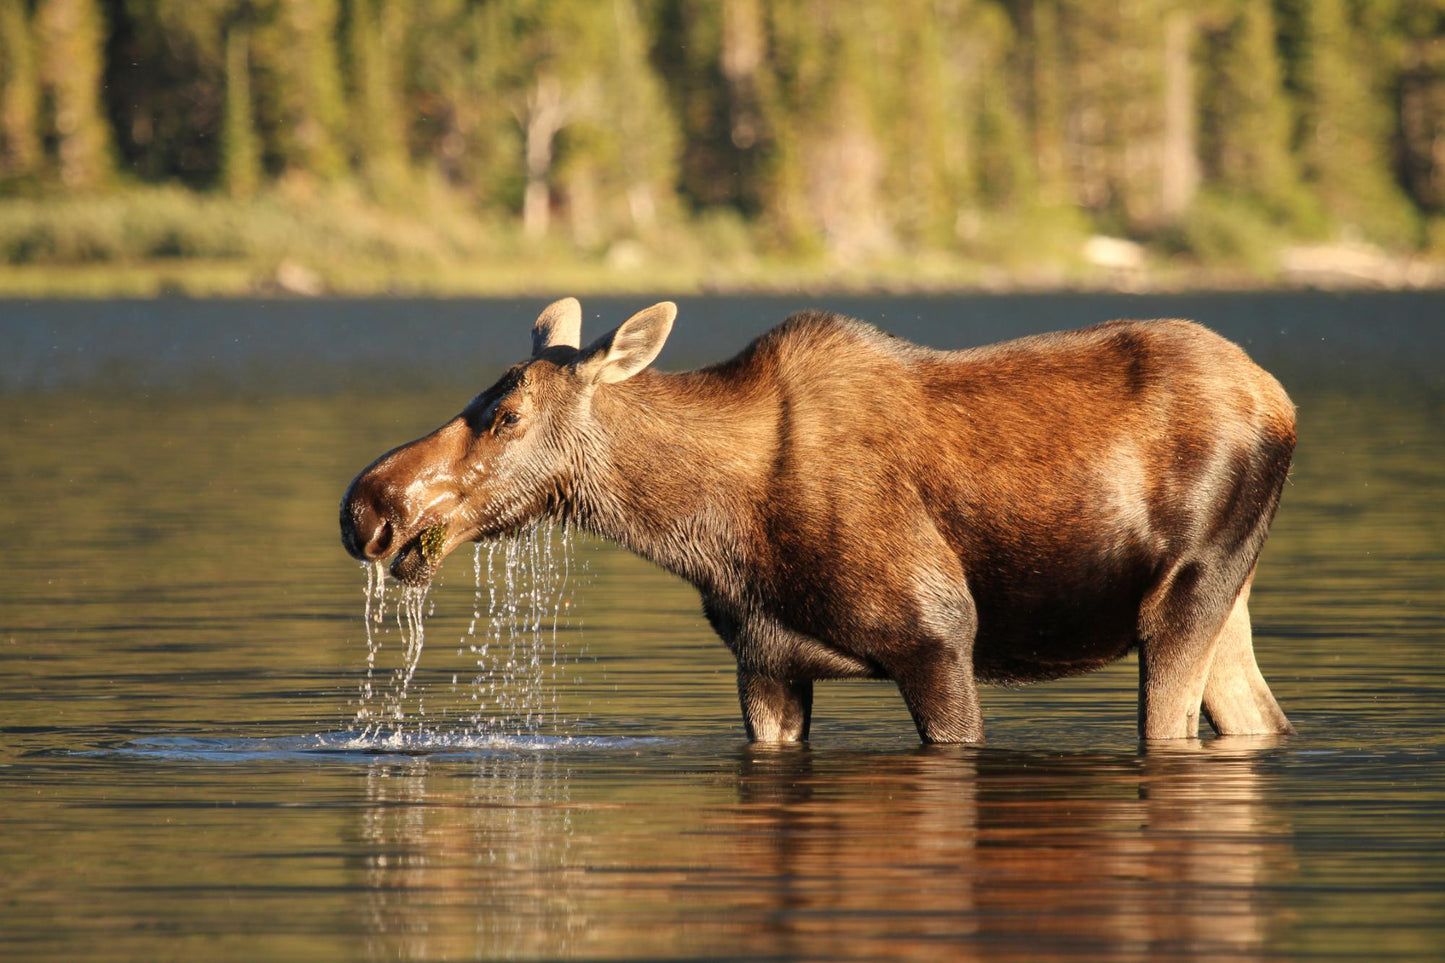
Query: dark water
[181, 651]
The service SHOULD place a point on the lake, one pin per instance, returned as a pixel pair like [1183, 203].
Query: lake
[185, 661]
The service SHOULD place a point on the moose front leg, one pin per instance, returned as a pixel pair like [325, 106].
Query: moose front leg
[938, 687]
[934, 668]
[775, 710]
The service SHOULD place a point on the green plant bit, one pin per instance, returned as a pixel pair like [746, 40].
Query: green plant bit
[433, 540]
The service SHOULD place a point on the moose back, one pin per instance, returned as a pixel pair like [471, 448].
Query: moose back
[849, 504]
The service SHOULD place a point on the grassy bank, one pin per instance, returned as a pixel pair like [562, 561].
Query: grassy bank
[148, 242]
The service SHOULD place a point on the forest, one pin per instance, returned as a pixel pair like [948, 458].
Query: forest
[442, 144]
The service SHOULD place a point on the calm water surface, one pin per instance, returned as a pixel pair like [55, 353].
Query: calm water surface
[182, 655]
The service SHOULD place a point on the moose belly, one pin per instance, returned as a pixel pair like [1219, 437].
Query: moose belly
[1032, 629]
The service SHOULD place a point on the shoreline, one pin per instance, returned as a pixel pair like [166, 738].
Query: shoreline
[200, 279]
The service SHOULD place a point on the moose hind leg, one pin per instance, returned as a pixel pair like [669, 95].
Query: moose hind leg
[1182, 623]
[775, 710]
[1237, 700]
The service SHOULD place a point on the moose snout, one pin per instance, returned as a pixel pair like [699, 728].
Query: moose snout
[366, 534]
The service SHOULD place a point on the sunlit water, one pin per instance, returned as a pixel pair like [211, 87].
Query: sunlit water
[219, 744]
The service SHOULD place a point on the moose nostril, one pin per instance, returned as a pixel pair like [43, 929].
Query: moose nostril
[365, 533]
[379, 545]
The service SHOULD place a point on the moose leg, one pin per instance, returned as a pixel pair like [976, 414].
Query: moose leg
[1171, 689]
[938, 687]
[775, 710]
[1237, 700]
[934, 672]
[1181, 627]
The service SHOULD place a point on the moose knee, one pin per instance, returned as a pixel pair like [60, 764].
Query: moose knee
[937, 685]
[775, 710]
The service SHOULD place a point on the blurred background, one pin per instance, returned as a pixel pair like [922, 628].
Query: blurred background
[519, 146]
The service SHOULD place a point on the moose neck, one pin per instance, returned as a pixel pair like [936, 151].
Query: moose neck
[676, 467]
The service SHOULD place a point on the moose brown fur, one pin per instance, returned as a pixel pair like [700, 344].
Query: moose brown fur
[851, 505]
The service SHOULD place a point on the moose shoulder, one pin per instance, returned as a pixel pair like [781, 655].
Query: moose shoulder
[852, 505]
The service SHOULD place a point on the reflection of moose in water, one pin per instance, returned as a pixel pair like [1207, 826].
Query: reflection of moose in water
[1017, 856]
[852, 505]
[932, 854]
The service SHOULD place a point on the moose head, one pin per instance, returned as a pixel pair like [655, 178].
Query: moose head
[511, 457]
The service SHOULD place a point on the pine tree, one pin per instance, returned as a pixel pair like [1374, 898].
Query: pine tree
[19, 93]
[240, 149]
[1245, 118]
[1046, 78]
[1117, 116]
[71, 37]
[1343, 127]
[826, 165]
[299, 88]
[917, 119]
[1421, 84]
[378, 130]
[1178, 149]
[717, 61]
[647, 137]
[1002, 171]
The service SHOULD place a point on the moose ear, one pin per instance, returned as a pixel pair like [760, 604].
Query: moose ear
[559, 323]
[622, 353]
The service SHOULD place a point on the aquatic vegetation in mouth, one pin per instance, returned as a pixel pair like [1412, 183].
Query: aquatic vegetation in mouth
[511, 643]
[432, 541]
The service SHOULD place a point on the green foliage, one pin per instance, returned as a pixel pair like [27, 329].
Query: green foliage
[70, 36]
[1043, 239]
[138, 225]
[19, 93]
[1222, 228]
[850, 134]
[1343, 127]
[1246, 124]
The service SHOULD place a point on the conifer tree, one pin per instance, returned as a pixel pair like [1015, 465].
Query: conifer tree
[300, 91]
[1245, 117]
[71, 38]
[240, 149]
[19, 93]
[718, 65]
[1343, 132]
[1003, 170]
[918, 117]
[1046, 78]
[377, 128]
[827, 162]
[1421, 85]
[642, 124]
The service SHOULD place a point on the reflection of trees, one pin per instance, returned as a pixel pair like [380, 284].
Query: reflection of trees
[794, 853]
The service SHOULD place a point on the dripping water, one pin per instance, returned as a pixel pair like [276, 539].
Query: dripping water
[511, 647]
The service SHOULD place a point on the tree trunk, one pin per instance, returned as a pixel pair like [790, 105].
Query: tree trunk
[546, 114]
[1179, 174]
[240, 158]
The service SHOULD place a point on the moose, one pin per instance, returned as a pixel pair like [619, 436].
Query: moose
[852, 505]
